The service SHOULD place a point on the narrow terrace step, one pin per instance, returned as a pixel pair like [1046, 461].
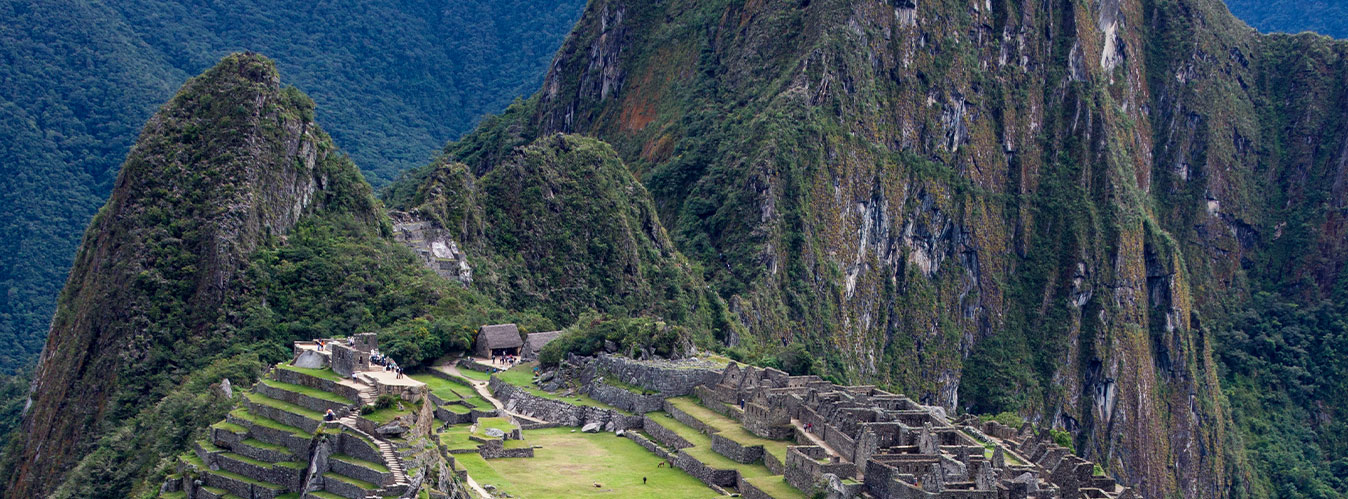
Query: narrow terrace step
[309, 398]
[283, 412]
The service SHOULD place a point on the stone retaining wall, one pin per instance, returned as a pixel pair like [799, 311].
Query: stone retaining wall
[744, 454]
[297, 378]
[687, 419]
[774, 465]
[281, 416]
[359, 472]
[300, 399]
[556, 411]
[625, 399]
[670, 381]
[261, 453]
[297, 444]
[495, 449]
[707, 474]
[647, 444]
[474, 365]
[355, 446]
[664, 435]
[748, 491]
[341, 488]
[804, 469]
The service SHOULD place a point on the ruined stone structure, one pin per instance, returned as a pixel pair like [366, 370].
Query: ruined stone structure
[533, 344]
[895, 448]
[842, 441]
[283, 442]
[440, 253]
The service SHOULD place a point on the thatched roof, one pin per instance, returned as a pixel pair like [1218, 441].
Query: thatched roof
[500, 336]
[537, 340]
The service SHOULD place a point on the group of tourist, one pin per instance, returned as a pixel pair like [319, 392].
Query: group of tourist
[510, 360]
[388, 364]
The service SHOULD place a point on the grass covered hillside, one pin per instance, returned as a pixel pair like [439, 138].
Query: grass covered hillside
[236, 227]
[393, 81]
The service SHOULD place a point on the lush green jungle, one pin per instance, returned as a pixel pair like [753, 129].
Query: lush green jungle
[393, 80]
[1326, 17]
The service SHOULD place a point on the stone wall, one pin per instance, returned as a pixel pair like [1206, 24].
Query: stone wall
[748, 491]
[624, 399]
[283, 417]
[473, 365]
[707, 474]
[672, 379]
[347, 361]
[664, 435]
[359, 472]
[649, 445]
[298, 378]
[495, 449]
[745, 454]
[687, 419]
[807, 464]
[522, 402]
[300, 399]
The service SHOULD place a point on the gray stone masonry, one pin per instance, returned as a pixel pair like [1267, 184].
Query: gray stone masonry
[664, 435]
[707, 474]
[736, 452]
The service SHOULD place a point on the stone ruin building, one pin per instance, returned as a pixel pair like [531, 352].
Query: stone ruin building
[437, 251]
[283, 443]
[863, 440]
[534, 343]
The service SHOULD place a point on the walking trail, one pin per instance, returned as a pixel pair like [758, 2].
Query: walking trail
[481, 388]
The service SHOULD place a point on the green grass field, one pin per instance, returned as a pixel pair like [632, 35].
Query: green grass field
[730, 428]
[569, 464]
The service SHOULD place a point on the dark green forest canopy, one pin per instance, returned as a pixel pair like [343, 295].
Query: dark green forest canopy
[1327, 17]
[393, 81]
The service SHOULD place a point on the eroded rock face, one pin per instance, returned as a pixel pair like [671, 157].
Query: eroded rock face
[987, 205]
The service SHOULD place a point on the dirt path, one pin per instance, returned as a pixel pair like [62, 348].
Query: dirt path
[816, 440]
[482, 389]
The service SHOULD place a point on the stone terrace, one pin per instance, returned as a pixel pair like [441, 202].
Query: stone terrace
[278, 443]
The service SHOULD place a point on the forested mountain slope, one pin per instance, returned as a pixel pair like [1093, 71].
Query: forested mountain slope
[237, 227]
[1327, 17]
[394, 80]
[1053, 208]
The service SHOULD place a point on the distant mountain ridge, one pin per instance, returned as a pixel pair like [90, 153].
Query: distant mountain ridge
[1326, 17]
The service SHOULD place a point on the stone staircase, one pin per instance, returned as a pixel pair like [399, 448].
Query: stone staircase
[398, 482]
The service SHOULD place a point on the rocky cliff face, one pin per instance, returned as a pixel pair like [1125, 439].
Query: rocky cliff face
[232, 160]
[989, 205]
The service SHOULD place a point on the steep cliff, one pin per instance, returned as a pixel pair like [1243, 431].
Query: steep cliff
[188, 274]
[988, 205]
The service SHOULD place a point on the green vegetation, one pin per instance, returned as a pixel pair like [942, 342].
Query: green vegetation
[561, 227]
[1286, 370]
[312, 392]
[567, 464]
[389, 413]
[776, 487]
[83, 78]
[522, 376]
[353, 481]
[324, 373]
[362, 463]
[1293, 16]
